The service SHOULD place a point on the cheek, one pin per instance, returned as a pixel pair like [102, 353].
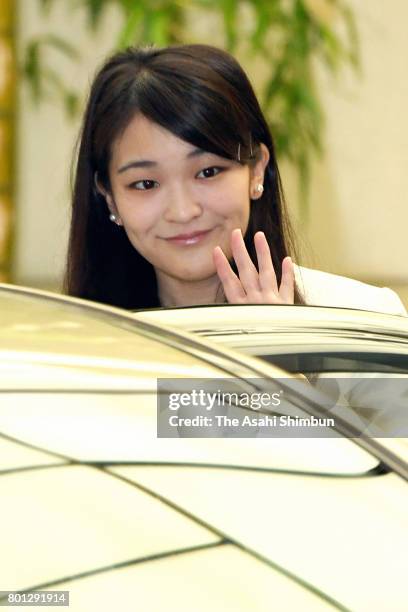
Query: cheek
[137, 216]
[232, 201]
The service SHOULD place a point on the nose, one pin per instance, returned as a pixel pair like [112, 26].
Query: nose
[181, 206]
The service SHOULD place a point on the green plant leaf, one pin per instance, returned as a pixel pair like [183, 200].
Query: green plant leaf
[229, 9]
[71, 103]
[94, 10]
[267, 16]
[31, 69]
[134, 20]
[158, 28]
[354, 46]
[46, 6]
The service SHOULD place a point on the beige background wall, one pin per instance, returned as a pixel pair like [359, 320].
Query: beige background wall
[45, 141]
[360, 204]
[359, 213]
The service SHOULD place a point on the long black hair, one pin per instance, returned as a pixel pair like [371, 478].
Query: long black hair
[200, 94]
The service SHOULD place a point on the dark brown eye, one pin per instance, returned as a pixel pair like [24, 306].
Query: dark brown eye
[209, 172]
[144, 185]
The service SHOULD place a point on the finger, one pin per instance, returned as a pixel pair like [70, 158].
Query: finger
[267, 276]
[248, 274]
[287, 286]
[231, 284]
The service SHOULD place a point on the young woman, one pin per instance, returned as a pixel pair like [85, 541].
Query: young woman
[177, 197]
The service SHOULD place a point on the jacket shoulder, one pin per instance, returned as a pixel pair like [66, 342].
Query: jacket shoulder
[325, 289]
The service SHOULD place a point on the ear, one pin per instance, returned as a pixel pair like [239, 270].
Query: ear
[257, 173]
[114, 214]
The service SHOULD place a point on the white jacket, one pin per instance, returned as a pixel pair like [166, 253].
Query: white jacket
[324, 289]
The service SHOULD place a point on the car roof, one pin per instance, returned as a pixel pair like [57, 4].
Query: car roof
[212, 317]
[277, 326]
[52, 343]
[73, 341]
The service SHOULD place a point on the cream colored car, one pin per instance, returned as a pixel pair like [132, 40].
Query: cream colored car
[359, 358]
[94, 503]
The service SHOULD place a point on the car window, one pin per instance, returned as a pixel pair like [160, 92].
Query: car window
[371, 386]
[345, 362]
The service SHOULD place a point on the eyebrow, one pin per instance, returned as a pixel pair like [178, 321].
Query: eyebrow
[147, 163]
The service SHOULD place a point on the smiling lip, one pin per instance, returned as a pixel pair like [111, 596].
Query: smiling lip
[186, 239]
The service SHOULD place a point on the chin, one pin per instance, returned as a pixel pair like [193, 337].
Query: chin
[196, 277]
[193, 275]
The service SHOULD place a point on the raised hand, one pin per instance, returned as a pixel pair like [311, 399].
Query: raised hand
[253, 287]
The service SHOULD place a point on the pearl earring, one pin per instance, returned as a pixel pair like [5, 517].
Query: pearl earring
[112, 217]
[259, 188]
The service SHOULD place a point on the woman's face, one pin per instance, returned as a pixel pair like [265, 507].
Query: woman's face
[176, 202]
